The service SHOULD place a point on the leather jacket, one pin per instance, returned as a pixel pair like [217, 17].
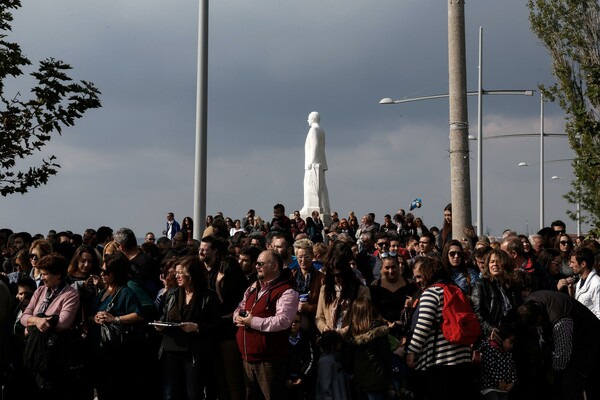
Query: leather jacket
[487, 304]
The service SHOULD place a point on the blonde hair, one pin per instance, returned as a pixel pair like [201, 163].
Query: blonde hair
[304, 244]
[110, 248]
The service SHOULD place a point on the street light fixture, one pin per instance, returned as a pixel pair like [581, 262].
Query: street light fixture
[479, 93]
[541, 163]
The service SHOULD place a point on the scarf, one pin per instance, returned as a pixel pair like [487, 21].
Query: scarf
[50, 296]
[302, 282]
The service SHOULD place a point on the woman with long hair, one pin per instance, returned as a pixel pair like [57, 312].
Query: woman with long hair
[564, 244]
[446, 232]
[192, 310]
[237, 227]
[187, 227]
[454, 261]
[83, 275]
[340, 289]
[389, 293]
[495, 298]
[529, 253]
[84, 265]
[548, 275]
[421, 228]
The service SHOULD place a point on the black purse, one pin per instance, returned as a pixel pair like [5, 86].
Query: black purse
[114, 335]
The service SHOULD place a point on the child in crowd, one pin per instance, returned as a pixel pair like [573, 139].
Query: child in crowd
[498, 370]
[369, 351]
[332, 381]
[300, 365]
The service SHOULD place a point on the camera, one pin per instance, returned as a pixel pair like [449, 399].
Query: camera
[243, 313]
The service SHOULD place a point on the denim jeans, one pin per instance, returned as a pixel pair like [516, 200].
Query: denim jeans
[182, 377]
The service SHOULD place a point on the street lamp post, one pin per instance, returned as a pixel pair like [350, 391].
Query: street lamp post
[480, 93]
[460, 181]
[201, 121]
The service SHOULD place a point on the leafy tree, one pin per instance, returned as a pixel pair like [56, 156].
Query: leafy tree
[570, 29]
[27, 125]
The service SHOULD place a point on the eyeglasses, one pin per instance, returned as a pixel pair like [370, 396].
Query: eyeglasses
[390, 254]
[564, 243]
[382, 244]
[455, 254]
[34, 257]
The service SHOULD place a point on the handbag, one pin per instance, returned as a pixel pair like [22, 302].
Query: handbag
[114, 335]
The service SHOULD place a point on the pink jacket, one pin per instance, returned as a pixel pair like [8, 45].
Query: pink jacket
[65, 306]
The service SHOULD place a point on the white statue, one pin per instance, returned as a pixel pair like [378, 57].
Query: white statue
[316, 197]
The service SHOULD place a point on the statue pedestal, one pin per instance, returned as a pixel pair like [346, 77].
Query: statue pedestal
[324, 214]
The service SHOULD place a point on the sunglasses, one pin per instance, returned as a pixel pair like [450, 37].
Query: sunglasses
[262, 263]
[104, 272]
[34, 257]
[564, 243]
[455, 254]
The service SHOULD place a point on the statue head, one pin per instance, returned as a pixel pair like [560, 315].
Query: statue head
[313, 117]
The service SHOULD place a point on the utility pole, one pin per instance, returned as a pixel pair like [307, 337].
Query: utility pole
[460, 182]
[201, 122]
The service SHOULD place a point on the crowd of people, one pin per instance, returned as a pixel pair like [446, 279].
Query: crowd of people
[294, 308]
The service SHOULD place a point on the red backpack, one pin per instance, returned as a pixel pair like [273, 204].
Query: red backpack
[459, 323]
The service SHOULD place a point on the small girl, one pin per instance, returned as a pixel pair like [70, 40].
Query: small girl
[498, 370]
[332, 381]
[369, 350]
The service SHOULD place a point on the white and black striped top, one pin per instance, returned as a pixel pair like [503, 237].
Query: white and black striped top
[428, 342]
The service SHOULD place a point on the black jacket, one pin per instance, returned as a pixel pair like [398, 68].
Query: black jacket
[370, 359]
[487, 304]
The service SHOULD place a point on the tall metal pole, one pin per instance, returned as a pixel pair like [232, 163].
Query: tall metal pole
[201, 121]
[460, 182]
[541, 160]
[480, 141]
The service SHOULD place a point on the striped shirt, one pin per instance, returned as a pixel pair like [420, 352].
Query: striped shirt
[428, 341]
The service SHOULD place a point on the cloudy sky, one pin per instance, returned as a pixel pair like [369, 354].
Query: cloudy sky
[271, 62]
